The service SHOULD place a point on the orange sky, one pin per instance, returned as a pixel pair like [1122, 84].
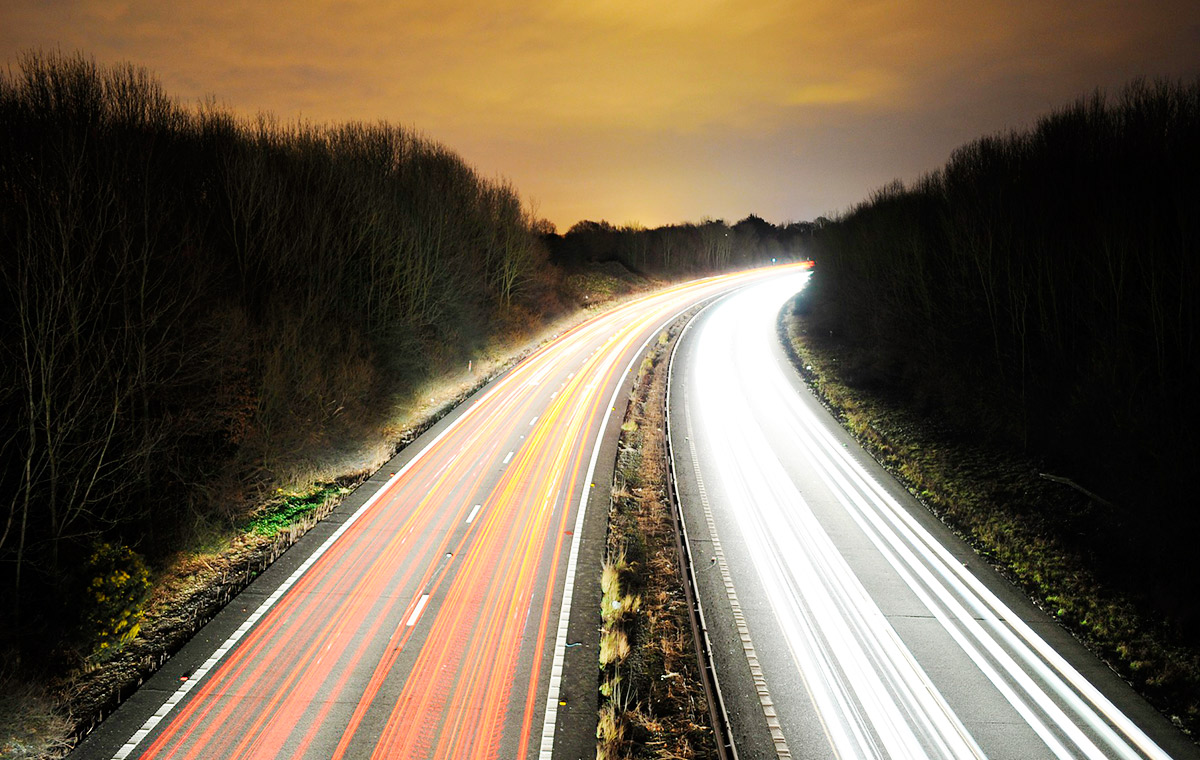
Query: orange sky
[649, 112]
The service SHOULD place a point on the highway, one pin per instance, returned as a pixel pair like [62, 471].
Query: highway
[846, 621]
[430, 617]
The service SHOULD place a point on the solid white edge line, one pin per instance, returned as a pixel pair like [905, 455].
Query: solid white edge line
[1100, 714]
[172, 701]
[1052, 669]
[165, 709]
[766, 702]
[564, 614]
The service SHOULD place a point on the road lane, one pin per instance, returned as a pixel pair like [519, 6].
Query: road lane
[431, 622]
[877, 633]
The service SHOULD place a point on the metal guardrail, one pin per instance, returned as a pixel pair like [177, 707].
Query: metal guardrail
[708, 673]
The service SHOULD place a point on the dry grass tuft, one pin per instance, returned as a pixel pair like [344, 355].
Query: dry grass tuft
[652, 699]
[31, 725]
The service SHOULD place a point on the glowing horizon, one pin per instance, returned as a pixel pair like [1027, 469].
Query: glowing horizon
[625, 113]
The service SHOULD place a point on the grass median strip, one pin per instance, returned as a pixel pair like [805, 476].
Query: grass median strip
[652, 701]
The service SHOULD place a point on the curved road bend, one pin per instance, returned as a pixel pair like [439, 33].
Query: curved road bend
[846, 621]
[428, 620]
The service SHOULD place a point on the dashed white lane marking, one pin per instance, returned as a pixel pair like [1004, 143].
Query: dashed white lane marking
[508, 458]
[198, 674]
[475, 511]
[535, 419]
[416, 613]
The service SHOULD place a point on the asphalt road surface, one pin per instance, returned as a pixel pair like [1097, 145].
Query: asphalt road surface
[846, 621]
[431, 616]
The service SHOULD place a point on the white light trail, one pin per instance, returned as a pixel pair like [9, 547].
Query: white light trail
[872, 695]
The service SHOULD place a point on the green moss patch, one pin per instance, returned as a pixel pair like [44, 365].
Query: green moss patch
[292, 508]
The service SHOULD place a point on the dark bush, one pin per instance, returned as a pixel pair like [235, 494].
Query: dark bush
[187, 298]
[1040, 290]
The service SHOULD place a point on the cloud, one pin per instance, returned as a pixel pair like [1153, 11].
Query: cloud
[693, 108]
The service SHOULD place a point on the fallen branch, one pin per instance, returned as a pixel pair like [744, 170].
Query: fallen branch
[1076, 486]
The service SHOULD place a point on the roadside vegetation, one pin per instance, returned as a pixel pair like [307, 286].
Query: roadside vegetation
[211, 325]
[652, 702]
[711, 245]
[1015, 335]
[194, 304]
[999, 499]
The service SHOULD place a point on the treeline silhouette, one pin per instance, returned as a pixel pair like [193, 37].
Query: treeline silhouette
[186, 295]
[1041, 290]
[678, 249]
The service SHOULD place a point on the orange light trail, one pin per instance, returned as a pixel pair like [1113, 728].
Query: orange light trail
[418, 634]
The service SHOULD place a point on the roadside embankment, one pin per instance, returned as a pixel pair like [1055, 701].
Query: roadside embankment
[44, 719]
[1032, 525]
